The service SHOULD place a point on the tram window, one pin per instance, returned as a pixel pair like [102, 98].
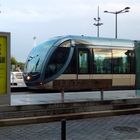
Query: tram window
[132, 61]
[102, 61]
[83, 61]
[57, 60]
[121, 61]
[71, 69]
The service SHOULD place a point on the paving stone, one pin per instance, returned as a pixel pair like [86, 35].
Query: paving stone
[126, 127]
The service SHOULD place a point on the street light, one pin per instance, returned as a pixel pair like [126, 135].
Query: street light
[34, 41]
[98, 22]
[125, 10]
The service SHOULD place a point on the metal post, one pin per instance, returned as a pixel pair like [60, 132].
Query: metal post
[98, 22]
[63, 129]
[102, 95]
[34, 41]
[116, 26]
[62, 95]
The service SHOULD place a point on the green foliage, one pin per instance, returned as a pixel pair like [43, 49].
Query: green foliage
[13, 61]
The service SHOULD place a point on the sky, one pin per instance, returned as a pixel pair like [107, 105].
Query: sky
[43, 19]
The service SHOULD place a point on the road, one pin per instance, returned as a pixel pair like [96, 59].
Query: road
[105, 128]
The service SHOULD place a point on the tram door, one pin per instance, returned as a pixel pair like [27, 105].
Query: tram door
[83, 64]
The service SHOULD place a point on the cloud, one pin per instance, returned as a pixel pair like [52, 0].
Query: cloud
[48, 18]
[52, 10]
[45, 12]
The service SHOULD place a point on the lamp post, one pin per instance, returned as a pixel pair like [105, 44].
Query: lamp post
[125, 10]
[98, 22]
[34, 41]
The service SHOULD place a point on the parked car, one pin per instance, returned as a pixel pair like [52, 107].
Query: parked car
[17, 79]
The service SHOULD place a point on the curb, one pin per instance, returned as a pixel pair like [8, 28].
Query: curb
[70, 116]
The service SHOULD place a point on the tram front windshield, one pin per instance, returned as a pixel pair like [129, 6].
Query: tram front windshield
[37, 55]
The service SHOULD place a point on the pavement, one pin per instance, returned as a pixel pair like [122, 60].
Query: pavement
[29, 98]
[125, 127]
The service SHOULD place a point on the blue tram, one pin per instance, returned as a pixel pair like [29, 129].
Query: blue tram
[81, 63]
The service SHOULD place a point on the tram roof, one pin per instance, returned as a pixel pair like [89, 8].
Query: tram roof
[95, 41]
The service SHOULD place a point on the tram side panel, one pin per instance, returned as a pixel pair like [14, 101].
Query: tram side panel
[109, 69]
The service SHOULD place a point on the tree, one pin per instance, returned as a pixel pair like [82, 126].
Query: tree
[13, 61]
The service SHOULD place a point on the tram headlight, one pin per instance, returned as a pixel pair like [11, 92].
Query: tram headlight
[41, 83]
[28, 78]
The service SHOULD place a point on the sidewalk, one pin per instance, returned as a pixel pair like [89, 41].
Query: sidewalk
[126, 127]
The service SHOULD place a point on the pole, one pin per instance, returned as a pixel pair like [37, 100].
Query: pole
[62, 95]
[63, 129]
[116, 25]
[98, 22]
[34, 41]
[102, 94]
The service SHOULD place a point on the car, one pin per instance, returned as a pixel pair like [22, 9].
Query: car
[17, 79]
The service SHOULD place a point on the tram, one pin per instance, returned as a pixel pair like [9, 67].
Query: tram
[81, 63]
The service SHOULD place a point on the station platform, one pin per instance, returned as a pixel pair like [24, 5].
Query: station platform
[29, 108]
[29, 98]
